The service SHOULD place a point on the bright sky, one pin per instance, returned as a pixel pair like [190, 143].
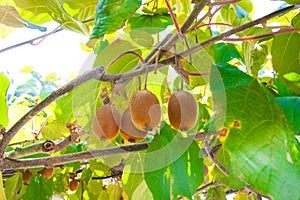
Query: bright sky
[61, 52]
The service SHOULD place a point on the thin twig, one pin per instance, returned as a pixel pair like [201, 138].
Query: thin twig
[67, 158]
[194, 14]
[256, 192]
[235, 30]
[211, 156]
[31, 41]
[204, 187]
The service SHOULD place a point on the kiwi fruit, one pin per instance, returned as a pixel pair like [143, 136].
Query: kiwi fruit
[73, 185]
[27, 174]
[47, 172]
[106, 122]
[145, 110]
[182, 110]
[128, 131]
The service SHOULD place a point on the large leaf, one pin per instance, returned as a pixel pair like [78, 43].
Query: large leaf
[291, 108]
[125, 63]
[255, 134]
[39, 188]
[225, 52]
[2, 193]
[85, 9]
[112, 14]
[150, 23]
[296, 21]
[55, 10]
[13, 185]
[133, 179]
[286, 59]
[292, 1]
[4, 84]
[180, 162]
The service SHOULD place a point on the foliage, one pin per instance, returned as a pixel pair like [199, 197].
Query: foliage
[247, 88]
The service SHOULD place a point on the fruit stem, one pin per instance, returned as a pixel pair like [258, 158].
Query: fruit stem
[194, 73]
[45, 36]
[174, 19]
[127, 52]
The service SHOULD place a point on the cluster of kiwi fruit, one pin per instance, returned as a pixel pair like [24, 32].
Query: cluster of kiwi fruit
[46, 172]
[144, 115]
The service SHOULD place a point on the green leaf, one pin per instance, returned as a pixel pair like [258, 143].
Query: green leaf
[240, 12]
[133, 181]
[286, 59]
[53, 9]
[114, 191]
[125, 63]
[99, 168]
[282, 88]
[13, 185]
[292, 1]
[39, 188]
[72, 149]
[231, 180]
[84, 9]
[150, 23]
[94, 188]
[225, 52]
[84, 103]
[296, 21]
[180, 163]
[4, 84]
[255, 134]
[60, 182]
[112, 14]
[291, 108]
[142, 38]
[216, 193]
[64, 109]
[55, 131]
[229, 15]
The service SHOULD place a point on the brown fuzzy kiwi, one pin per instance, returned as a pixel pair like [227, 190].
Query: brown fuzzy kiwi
[27, 174]
[183, 110]
[73, 185]
[145, 110]
[128, 130]
[106, 122]
[47, 172]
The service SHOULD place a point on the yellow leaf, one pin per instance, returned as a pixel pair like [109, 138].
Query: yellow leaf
[27, 69]
[2, 193]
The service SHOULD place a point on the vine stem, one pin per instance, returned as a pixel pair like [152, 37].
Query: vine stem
[8, 163]
[261, 36]
[174, 19]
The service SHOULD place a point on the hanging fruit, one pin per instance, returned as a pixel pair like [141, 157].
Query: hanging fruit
[128, 130]
[183, 110]
[145, 110]
[106, 122]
